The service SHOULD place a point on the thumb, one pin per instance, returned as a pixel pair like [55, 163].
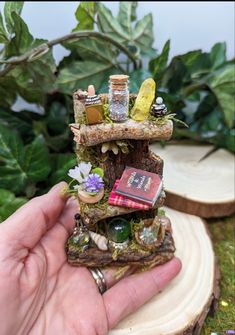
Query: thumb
[29, 223]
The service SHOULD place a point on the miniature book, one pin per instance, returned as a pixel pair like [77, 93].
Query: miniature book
[140, 185]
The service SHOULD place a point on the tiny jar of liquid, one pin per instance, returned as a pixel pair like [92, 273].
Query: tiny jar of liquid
[93, 107]
[118, 97]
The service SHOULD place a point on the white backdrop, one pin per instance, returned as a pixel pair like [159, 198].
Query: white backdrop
[189, 25]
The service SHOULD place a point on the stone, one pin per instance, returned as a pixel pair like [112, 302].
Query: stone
[143, 102]
[119, 230]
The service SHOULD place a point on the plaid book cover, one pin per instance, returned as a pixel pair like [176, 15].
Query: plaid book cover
[120, 200]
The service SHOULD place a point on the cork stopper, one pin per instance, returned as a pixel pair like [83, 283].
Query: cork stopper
[118, 81]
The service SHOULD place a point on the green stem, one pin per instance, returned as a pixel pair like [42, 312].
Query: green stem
[37, 52]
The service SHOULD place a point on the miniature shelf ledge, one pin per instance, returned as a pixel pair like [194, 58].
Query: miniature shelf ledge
[92, 215]
[146, 130]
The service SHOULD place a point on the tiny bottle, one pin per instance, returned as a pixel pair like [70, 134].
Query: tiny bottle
[118, 97]
[93, 107]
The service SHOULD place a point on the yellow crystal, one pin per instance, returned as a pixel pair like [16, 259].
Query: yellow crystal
[144, 100]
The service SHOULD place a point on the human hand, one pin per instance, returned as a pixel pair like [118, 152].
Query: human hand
[40, 293]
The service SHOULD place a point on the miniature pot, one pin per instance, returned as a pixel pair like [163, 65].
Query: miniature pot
[90, 199]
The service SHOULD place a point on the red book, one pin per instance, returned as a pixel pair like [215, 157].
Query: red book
[120, 200]
[140, 185]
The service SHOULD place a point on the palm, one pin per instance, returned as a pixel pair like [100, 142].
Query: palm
[45, 295]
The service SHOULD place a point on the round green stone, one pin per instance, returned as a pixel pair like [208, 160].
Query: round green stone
[119, 230]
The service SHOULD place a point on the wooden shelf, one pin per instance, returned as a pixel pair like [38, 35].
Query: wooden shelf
[92, 214]
[89, 135]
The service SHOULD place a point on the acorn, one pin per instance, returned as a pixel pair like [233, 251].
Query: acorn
[159, 108]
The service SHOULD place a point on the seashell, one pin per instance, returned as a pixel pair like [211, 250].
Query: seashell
[100, 240]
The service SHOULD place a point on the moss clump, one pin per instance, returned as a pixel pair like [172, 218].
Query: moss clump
[102, 204]
[223, 238]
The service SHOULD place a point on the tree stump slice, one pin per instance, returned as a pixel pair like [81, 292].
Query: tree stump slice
[197, 182]
[183, 305]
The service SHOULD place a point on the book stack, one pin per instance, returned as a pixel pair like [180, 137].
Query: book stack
[136, 189]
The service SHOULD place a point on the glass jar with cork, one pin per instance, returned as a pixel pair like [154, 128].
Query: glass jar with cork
[118, 97]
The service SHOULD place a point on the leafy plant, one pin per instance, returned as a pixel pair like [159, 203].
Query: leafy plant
[200, 88]
[36, 148]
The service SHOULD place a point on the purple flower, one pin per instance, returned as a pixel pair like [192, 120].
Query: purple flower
[93, 183]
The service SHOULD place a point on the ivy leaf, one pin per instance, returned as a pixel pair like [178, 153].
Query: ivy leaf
[175, 75]
[127, 14]
[61, 163]
[108, 24]
[218, 55]
[22, 40]
[80, 74]
[21, 166]
[85, 15]
[90, 49]
[9, 203]
[21, 121]
[222, 83]
[143, 34]
[158, 64]
[11, 7]
[8, 90]
[3, 33]
[136, 79]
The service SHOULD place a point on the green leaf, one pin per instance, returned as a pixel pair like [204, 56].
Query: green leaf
[21, 166]
[20, 121]
[222, 83]
[108, 24]
[8, 88]
[11, 7]
[22, 40]
[158, 64]
[143, 33]
[175, 75]
[94, 49]
[136, 79]
[218, 55]
[190, 57]
[57, 118]
[3, 33]
[9, 203]
[61, 163]
[85, 15]
[127, 14]
[98, 171]
[80, 74]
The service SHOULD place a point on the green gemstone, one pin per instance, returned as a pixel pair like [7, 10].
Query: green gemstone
[119, 230]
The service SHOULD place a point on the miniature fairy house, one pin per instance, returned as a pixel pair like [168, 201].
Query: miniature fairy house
[112, 134]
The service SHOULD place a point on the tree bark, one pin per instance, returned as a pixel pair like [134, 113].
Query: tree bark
[105, 132]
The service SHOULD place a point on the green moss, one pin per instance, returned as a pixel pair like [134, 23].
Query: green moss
[102, 204]
[161, 120]
[222, 232]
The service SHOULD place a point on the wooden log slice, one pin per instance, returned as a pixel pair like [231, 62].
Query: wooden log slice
[197, 182]
[181, 308]
[96, 258]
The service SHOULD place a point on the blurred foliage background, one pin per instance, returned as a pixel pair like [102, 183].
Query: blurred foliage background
[36, 148]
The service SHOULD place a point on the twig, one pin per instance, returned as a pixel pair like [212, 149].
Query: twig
[43, 48]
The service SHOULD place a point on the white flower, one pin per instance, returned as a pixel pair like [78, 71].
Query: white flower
[80, 172]
[85, 168]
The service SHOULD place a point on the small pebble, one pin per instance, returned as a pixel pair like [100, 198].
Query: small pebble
[159, 100]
